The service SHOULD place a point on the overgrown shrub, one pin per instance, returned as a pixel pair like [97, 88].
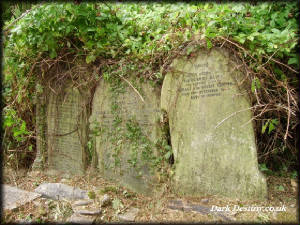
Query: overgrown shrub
[143, 39]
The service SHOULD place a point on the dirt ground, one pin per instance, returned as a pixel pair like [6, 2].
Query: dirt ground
[282, 192]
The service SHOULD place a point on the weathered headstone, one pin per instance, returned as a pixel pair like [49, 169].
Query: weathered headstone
[58, 191]
[128, 123]
[211, 134]
[14, 197]
[62, 98]
[41, 129]
[66, 130]
[81, 219]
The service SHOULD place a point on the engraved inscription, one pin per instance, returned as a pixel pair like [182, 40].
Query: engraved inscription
[65, 142]
[203, 84]
[125, 108]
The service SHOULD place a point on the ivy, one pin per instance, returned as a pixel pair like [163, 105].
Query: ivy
[142, 39]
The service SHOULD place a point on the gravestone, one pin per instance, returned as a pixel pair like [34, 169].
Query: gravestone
[66, 130]
[14, 197]
[212, 135]
[58, 191]
[62, 111]
[41, 128]
[127, 120]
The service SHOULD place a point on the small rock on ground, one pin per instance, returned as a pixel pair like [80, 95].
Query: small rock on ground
[105, 200]
[64, 180]
[82, 202]
[129, 216]
[204, 200]
[87, 211]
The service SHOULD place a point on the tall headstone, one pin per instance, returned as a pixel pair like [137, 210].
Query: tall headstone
[41, 129]
[125, 125]
[211, 133]
[67, 130]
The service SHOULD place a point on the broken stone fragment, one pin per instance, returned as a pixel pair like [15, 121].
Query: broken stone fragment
[129, 216]
[187, 207]
[15, 197]
[204, 200]
[81, 219]
[58, 191]
[90, 212]
[82, 202]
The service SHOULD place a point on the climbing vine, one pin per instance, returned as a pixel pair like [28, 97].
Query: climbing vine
[143, 39]
[126, 133]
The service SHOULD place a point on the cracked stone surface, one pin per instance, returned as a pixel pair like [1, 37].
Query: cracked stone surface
[131, 110]
[14, 197]
[81, 219]
[87, 211]
[212, 139]
[82, 202]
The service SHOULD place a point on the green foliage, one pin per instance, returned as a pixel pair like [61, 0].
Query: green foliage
[17, 125]
[12, 10]
[294, 174]
[108, 189]
[141, 39]
[138, 31]
[91, 195]
[271, 124]
[263, 168]
[280, 188]
[255, 85]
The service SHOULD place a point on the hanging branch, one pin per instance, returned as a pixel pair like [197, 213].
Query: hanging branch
[132, 87]
[20, 17]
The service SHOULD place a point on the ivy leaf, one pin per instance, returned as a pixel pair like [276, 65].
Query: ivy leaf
[167, 155]
[263, 167]
[293, 61]
[272, 125]
[90, 58]
[255, 84]
[264, 127]
[208, 43]
[280, 188]
[53, 54]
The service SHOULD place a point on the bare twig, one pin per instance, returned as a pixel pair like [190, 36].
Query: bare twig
[270, 58]
[133, 88]
[289, 114]
[290, 68]
[237, 45]
[20, 17]
[233, 114]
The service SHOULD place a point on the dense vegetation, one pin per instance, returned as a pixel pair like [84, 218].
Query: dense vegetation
[142, 39]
